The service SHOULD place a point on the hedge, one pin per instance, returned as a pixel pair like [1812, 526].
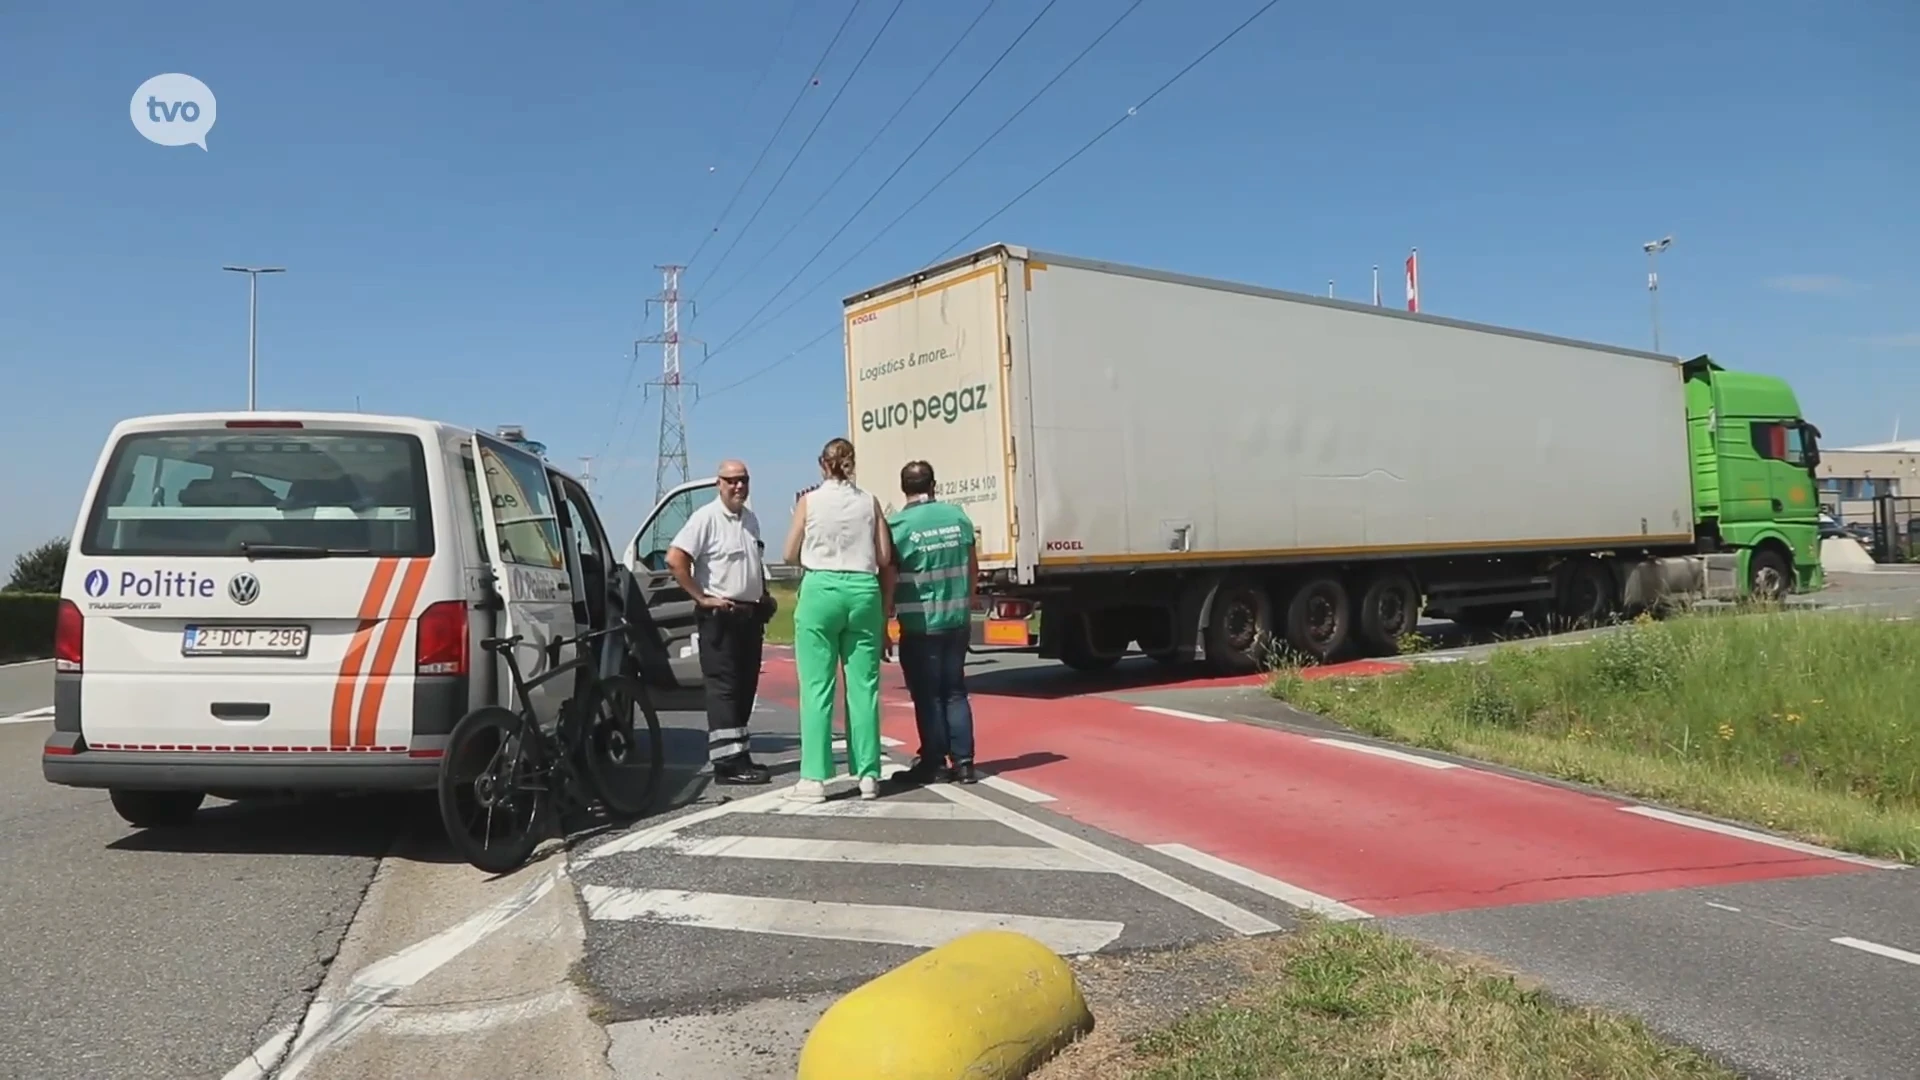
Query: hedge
[26, 624]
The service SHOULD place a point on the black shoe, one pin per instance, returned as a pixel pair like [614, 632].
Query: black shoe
[962, 773]
[921, 772]
[740, 770]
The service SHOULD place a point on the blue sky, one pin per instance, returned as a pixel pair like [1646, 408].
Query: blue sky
[471, 198]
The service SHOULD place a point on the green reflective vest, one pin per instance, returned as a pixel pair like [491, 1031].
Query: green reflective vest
[931, 541]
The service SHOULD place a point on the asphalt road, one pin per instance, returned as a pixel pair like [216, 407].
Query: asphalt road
[725, 903]
[169, 952]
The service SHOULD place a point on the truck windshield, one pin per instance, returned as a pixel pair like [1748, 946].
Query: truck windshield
[265, 494]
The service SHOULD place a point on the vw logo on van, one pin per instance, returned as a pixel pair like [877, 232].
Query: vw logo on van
[243, 589]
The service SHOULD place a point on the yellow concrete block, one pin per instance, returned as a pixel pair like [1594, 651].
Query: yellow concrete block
[991, 1005]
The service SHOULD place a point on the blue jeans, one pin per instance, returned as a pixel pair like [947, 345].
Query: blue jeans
[935, 666]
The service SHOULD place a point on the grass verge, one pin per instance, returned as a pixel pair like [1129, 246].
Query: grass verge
[780, 628]
[1804, 723]
[1340, 1000]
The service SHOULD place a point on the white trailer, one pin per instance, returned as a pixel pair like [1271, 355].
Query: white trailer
[1194, 465]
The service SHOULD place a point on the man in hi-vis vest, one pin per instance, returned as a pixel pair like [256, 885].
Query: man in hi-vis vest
[933, 600]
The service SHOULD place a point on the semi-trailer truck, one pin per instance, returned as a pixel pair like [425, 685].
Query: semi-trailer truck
[1209, 469]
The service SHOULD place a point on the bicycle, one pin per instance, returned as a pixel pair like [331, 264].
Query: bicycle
[526, 777]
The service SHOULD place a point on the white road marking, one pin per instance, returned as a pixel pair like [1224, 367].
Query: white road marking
[1259, 882]
[328, 1022]
[897, 809]
[1723, 829]
[1876, 949]
[430, 1022]
[645, 838]
[873, 923]
[32, 717]
[1018, 791]
[1182, 714]
[1723, 907]
[1221, 911]
[1381, 751]
[882, 853]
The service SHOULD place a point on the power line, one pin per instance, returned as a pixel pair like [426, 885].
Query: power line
[1109, 129]
[766, 69]
[896, 171]
[742, 382]
[1069, 159]
[937, 184]
[804, 87]
[858, 154]
[804, 143]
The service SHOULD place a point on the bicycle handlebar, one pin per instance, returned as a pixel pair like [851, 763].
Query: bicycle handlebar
[502, 645]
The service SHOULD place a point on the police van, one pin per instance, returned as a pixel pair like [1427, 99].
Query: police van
[291, 601]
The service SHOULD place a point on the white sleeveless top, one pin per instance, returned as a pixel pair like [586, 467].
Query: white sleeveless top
[839, 529]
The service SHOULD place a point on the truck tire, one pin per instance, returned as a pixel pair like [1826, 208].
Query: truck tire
[1239, 627]
[1076, 646]
[1586, 594]
[1769, 578]
[1389, 609]
[1319, 617]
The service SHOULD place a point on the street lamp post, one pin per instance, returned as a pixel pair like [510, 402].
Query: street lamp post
[253, 296]
[1653, 248]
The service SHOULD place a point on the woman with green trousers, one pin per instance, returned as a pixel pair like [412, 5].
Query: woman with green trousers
[840, 539]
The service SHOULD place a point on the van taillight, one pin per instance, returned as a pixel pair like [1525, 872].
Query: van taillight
[69, 634]
[440, 639]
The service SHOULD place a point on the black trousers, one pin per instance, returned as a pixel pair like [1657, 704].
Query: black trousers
[730, 647]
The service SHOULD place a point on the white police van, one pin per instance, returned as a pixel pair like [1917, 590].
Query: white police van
[265, 602]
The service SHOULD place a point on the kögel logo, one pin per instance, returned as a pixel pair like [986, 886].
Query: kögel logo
[96, 582]
[1065, 545]
[243, 589]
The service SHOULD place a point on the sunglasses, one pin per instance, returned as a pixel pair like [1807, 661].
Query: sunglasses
[740, 481]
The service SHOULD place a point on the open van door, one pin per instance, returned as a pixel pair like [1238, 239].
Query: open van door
[677, 663]
[528, 556]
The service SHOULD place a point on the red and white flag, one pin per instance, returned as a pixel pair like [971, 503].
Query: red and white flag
[1413, 280]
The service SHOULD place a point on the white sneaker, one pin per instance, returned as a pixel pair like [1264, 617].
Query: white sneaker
[869, 788]
[808, 791]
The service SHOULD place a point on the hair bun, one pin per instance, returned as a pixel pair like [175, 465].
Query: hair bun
[837, 458]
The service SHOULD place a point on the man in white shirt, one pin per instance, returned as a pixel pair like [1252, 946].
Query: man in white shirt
[718, 558]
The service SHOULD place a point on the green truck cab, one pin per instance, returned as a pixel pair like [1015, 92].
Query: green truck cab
[1753, 458]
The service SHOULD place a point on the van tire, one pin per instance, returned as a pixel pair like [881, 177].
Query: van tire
[156, 809]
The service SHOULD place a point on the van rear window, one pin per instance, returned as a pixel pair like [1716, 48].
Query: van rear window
[350, 494]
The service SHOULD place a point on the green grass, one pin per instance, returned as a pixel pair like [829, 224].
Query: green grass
[780, 628]
[1805, 723]
[1348, 1002]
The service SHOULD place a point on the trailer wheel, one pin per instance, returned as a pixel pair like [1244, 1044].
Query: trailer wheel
[1586, 593]
[1389, 609]
[1319, 617]
[1769, 579]
[1239, 625]
[1076, 646]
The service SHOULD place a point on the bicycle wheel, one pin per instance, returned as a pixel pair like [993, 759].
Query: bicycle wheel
[493, 801]
[623, 759]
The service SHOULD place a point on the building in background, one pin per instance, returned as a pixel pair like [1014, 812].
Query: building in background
[1851, 477]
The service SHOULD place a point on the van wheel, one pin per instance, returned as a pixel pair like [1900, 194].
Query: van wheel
[1319, 617]
[156, 809]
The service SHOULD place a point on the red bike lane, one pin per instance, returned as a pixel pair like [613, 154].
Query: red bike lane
[1387, 833]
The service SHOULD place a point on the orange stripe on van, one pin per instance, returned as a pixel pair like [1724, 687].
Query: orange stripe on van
[397, 620]
[371, 602]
